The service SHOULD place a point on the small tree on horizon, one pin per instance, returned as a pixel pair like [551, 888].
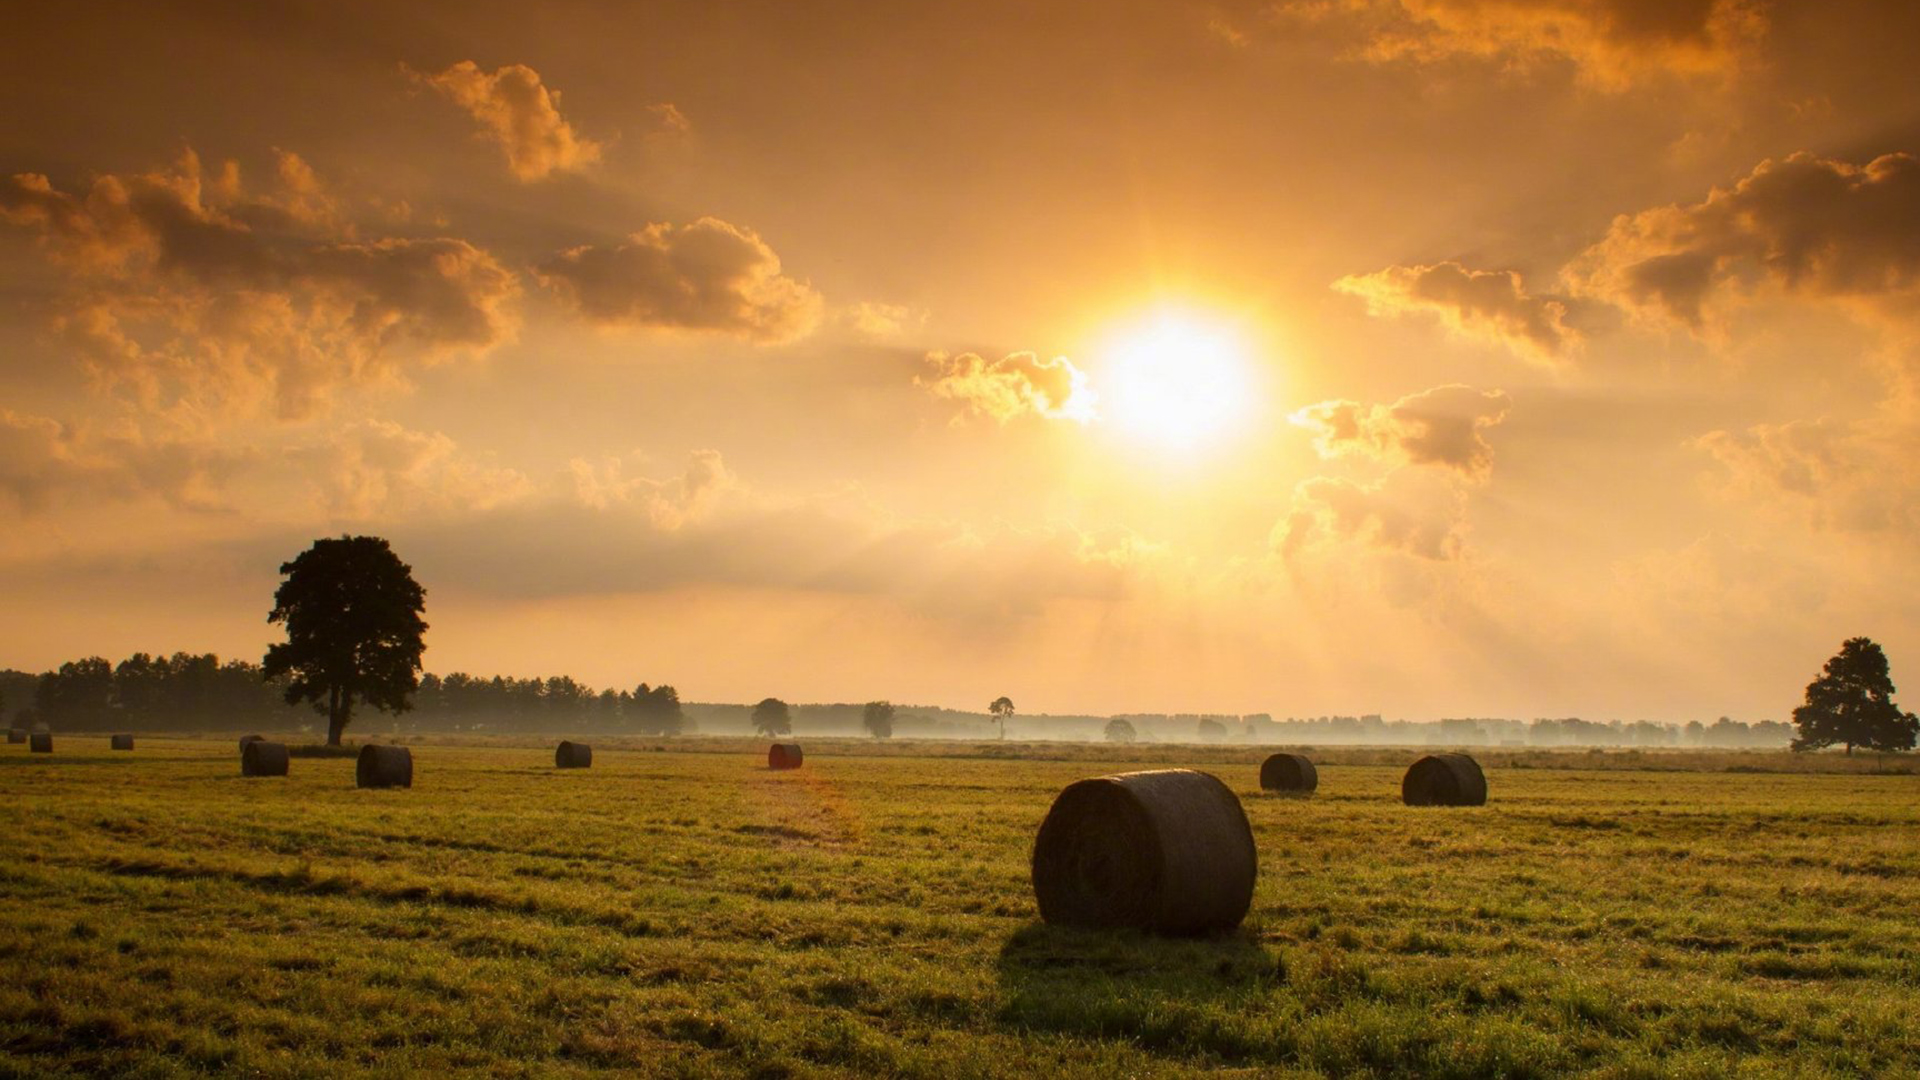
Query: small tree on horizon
[772, 718]
[1120, 731]
[878, 719]
[1851, 703]
[1002, 708]
[352, 612]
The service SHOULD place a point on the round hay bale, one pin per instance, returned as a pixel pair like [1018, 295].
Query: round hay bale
[1291, 773]
[1444, 780]
[384, 767]
[784, 755]
[16, 735]
[41, 743]
[245, 739]
[573, 755]
[1167, 851]
[263, 758]
[122, 742]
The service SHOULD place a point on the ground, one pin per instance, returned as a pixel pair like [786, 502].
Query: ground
[678, 909]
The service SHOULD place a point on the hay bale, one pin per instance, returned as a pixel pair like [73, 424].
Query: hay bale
[122, 742]
[16, 735]
[573, 755]
[1167, 851]
[1291, 773]
[41, 742]
[784, 755]
[1444, 780]
[245, 739]
[384, 767]
[263, 758]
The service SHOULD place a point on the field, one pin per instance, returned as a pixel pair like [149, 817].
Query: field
[687, 912]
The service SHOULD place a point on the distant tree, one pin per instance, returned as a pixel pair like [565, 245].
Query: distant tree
[352, 612]
[1119, 730]
[1211, 730]
[772, 717]
[656, 710]
[78, 696]
[1002, 708]
[878, 719]
[1851, 703]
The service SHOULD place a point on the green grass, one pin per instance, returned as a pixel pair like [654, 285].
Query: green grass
[691, 913]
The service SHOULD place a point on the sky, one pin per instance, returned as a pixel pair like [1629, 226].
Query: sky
[1421, 357]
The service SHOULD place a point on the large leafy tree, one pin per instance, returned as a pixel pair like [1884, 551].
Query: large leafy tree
[656, 710]
[772, 717]
[1851, 704]
[354, 632]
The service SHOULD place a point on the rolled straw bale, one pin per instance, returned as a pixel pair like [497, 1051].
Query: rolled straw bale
[16, 735]
[41, 742]
[1444, 780]
[573, 755]
[784, 755]
[384, 766]
[263, 758]
[1291, 773]
[1167, 851]
[122, 742]
[245, 739]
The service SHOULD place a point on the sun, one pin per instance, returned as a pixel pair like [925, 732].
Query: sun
[1175, 381]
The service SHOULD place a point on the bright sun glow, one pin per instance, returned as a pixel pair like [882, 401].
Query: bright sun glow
[1175, 381]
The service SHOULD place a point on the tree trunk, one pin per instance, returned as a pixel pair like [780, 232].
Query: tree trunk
[339, 710]
[1849, 749]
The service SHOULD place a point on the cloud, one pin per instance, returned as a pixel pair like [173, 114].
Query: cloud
[1855, 476]
[1018, 384]
[1806, 226]
[668, 504]
[871, 319]
[185, 287]
[517, 111]
[705, 276]
[1443, 426]
[1610, 44]
[377, 468]
[1488, 305]
[44, 462]
[1403, 512]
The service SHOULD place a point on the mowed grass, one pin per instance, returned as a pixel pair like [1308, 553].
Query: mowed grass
[691, 913]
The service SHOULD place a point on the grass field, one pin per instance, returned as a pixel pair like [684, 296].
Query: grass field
[691, 913]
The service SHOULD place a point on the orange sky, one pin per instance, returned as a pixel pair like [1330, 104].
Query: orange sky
[1423, 357]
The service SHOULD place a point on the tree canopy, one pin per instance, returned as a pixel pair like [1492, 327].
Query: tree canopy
[772, 717]
[1851, 704]
[354, 629]
[1001, 708]
[1120, 731]
[877, 718]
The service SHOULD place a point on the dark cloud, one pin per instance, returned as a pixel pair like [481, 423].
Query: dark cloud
[709, 275]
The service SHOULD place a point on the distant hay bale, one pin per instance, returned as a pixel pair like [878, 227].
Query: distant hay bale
[573, 755]
[1444, 780]
[1167, 851]
[41, 743]
[122, 742]
[262, 758]
[245, 739]
[1291, 773]
[784, 755]
[384, 767]
[16, 735]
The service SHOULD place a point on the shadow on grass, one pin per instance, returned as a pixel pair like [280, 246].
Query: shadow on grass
[1178, 997]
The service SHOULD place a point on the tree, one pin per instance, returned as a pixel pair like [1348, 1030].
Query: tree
[656, 710]
[352, 612]
[1851, 703]
[1211, 730]
[878, 719]
[772, 717]
[1119, 730]
[1002, 708]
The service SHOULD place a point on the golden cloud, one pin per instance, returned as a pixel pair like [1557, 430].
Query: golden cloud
[1487, 305]
[520, 114]
[1018, 384]
[1443, 426]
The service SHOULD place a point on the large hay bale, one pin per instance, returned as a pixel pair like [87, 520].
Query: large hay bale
[41, 742]
[263, 758]
[122, 742]
[245, 739]
[1291, 773]
[784, 755]
[16, 735]
[1167, 851]
[384, 767]
[573, 755]
[1444, 780]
